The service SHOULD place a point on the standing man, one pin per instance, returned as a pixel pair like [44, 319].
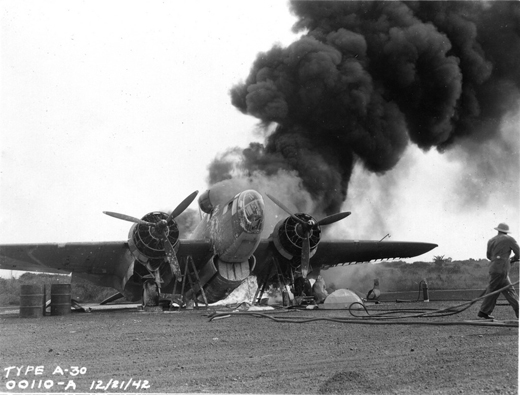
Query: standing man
[499, 249]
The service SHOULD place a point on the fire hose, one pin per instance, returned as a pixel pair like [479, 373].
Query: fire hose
[383, 317]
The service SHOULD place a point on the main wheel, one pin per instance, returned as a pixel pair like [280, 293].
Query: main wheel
[150, 294]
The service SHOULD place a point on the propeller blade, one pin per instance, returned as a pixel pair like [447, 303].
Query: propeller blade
[182, 206]
[171, 256]
[125, 217]
[279, 204]
[306, 252]
[333, 218]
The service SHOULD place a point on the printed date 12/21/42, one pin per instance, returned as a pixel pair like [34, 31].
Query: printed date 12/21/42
[131, 384]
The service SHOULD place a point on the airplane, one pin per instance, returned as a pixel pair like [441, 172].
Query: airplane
[225, 249]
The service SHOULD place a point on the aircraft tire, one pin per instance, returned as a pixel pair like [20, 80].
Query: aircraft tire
[150, 294]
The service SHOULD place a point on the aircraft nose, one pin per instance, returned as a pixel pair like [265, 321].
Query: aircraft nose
[252, 205]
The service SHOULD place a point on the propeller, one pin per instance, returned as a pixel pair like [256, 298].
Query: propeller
[160, 228]
[128, 218]
[305, 230]
[182, 206]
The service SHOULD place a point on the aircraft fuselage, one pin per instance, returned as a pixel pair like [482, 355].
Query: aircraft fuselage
[234, 230]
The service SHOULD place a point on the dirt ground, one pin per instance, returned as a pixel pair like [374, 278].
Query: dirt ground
[129, 351]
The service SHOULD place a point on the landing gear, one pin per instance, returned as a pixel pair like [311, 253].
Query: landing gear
[150, 293]
[302, 291]
[277, 278]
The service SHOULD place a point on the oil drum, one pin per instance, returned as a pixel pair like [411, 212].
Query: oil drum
[60, 299]
[32, 301]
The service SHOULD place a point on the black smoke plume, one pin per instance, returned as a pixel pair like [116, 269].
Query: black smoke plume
[367, 78]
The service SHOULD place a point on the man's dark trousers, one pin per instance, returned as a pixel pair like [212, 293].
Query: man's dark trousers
[497, 281]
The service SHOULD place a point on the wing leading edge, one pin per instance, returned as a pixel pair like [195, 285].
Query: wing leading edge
[347, 252]
[110, 263]
[93, 257]
[333, 253]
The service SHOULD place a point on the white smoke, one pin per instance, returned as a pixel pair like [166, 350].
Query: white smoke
[285, 186]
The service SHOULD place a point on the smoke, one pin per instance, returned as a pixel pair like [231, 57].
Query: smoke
[367, 79]
[187, 222]
[492, 166]
[285, 185]
[375, 201]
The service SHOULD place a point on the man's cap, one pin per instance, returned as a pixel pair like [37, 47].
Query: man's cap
[502, 228]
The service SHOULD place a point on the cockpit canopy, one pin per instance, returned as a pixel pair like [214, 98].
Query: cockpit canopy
[251, 211]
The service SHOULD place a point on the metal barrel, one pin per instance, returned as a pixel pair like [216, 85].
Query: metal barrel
[32, 301]
[60, 299]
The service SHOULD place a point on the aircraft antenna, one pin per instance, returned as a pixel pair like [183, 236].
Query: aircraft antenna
[387, 235]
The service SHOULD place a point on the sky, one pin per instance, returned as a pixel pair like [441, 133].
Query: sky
[121, 106]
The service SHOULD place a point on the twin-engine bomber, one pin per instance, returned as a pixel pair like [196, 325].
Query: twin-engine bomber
[225, 248]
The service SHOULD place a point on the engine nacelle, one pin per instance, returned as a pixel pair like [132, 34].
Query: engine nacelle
[146, 246]
[221, 278]
[288, 237]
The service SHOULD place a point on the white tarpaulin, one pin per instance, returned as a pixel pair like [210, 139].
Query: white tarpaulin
[341, 299]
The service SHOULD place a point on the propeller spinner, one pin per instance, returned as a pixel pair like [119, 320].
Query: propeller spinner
[305, 228]
[160, 229]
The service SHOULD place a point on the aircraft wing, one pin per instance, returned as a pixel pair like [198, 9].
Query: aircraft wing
[340, 252]
[92, 257]
[109, 264]
[200, 250]
[333, 253]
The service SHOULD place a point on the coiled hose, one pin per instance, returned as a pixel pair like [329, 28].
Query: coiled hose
[391, 317]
